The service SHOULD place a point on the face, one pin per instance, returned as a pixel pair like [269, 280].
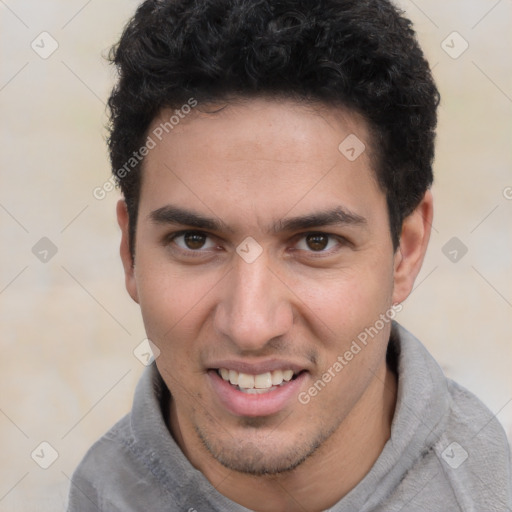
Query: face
[261, 254]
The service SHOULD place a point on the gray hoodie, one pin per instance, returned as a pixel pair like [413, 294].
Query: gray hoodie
[447, 453]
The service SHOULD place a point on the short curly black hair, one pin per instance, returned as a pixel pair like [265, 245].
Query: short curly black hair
[359, 54]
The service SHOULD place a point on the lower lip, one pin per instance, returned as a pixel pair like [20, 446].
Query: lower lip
[263, 404]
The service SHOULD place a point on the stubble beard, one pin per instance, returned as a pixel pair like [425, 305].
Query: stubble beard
[260, 458]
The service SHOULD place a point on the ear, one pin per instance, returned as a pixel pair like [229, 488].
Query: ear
[126, 257]
[413, 246]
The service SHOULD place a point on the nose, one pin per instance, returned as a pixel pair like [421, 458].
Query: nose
[255, 306]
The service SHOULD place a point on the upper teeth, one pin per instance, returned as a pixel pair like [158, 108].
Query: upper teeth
[261, 381]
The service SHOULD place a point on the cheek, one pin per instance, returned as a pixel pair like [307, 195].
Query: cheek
[171, 301]
[172, 314]
[345, 303]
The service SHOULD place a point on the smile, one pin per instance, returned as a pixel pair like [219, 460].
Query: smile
[256, 384]
[256, 394]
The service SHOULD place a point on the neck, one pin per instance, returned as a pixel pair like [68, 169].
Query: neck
[325, 477]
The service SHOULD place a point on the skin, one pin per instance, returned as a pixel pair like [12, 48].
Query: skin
[250, 165]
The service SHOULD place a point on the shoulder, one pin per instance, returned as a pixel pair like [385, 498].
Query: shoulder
[461, 455]
[472, 421]
[114, 475]
[473, 452]
[112, 449]
[99, 469]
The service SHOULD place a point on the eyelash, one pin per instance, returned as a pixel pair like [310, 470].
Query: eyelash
[170, 239]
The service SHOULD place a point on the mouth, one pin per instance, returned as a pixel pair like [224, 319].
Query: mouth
[256, 394]
[257, 384]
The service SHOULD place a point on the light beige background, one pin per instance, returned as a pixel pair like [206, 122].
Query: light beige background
[68, 328]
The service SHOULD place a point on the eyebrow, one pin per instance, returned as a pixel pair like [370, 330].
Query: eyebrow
[338, 216]
[173, 215]
[335, 217]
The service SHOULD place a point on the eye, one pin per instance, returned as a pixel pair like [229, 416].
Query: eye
[192, 240]
[317, 242]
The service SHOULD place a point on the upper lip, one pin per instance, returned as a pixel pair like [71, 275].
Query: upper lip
[257, 367]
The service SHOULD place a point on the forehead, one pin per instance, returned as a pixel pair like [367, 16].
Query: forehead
[256, 158]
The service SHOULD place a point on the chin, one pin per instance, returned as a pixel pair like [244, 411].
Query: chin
[267, 454]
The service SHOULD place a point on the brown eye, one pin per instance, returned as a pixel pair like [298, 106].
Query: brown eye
[194, 240]
[317, 241]
[191, 242]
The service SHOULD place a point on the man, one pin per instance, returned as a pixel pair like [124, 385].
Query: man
[275, 163]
